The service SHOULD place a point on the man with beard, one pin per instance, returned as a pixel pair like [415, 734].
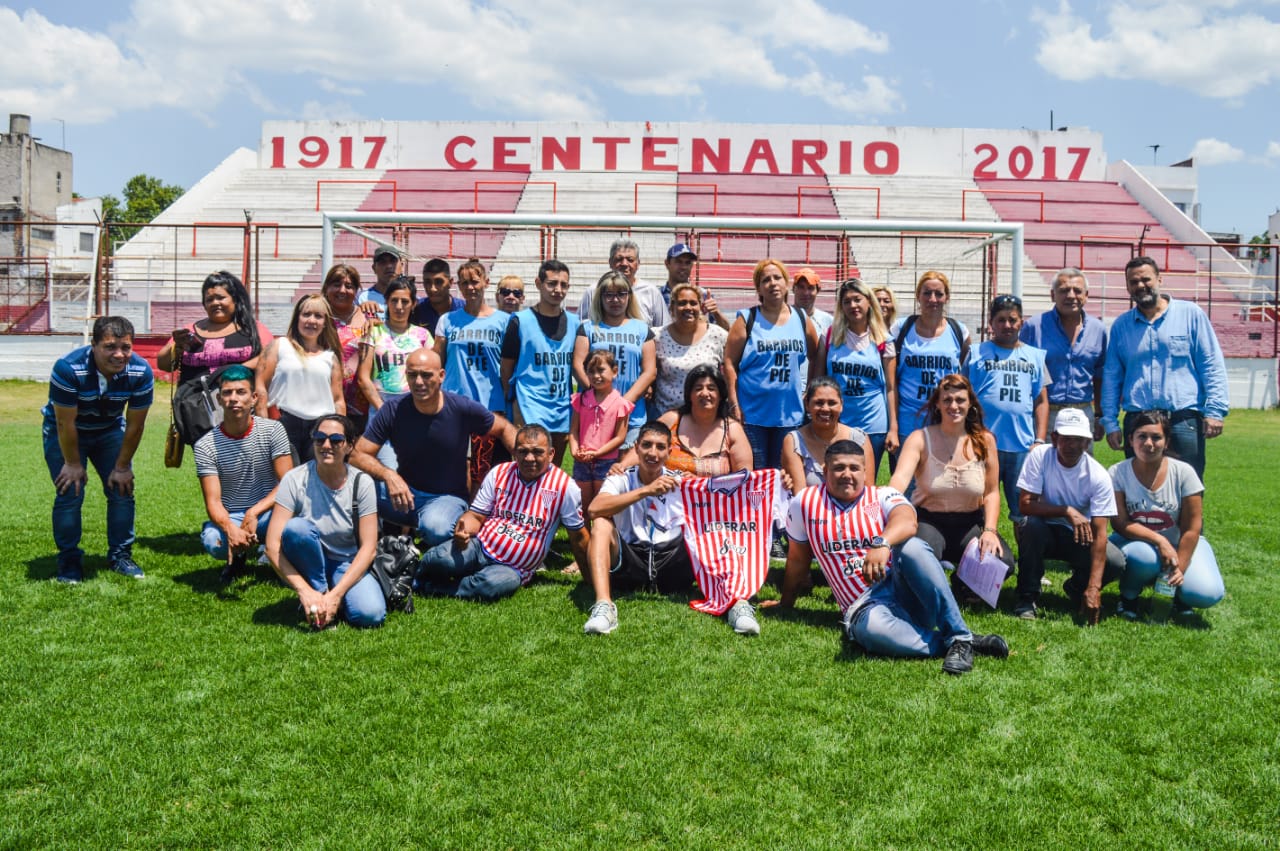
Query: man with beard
[1163, 355]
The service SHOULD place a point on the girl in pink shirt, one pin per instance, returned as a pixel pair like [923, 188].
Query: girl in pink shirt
[598, 424]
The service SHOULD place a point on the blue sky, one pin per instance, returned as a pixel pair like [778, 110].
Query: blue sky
[171, 89]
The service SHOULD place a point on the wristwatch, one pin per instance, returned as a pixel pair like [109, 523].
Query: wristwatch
[877, 541]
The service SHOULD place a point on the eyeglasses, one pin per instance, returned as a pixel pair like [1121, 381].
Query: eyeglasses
[503, 291]
[1004, 302]
[335, 439]
[617, 296]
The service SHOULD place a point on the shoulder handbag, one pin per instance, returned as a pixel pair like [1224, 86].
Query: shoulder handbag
[394, 564]
[173, 445]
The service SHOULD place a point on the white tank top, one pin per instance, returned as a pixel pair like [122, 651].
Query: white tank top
[302, 385]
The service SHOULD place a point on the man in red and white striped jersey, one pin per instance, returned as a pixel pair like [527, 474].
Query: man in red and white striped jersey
[501, 539]
[892, 591]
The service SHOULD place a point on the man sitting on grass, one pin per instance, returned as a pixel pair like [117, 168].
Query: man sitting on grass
[894, 594]
[500, 541]
[1067, 498]
[240, 464]
[637, 530]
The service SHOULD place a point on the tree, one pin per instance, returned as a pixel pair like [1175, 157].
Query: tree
[145, 197]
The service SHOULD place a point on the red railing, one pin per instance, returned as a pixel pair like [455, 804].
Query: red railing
[715, 192]
[964, 195]
[825, 187]
[475, 190]
[1109, 240]
[395, 190]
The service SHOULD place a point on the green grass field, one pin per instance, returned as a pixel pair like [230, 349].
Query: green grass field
[174, 713]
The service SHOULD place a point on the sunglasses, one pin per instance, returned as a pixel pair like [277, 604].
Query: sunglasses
[335, 439]
[1004, 302]
[503, 291]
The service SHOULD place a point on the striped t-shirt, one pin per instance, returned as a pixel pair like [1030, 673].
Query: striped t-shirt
[840, 533]
[245, 466]
[522, 517]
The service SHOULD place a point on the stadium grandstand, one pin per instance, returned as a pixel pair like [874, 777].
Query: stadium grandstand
[259, 214]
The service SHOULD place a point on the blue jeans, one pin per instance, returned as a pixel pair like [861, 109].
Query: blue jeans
[766, 444]
[877, 449]
[1201, 581]
[435, 515]
[214, 540]
[1010, 468]
[467, 573]
[911, 611]
[363, 604]
[101, 449]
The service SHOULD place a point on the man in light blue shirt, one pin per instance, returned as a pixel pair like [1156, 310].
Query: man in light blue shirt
[1163, 355]
[1075, 345]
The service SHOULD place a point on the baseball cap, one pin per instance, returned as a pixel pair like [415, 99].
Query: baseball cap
[384, 251]
[1072, 422]
[808, 274]
[678, 250]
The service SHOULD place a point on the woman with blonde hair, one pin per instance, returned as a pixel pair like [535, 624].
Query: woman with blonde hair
[929, 345]
[888, 304]
[859, 355]
[617, 324]
[767, 360]
[300, 374]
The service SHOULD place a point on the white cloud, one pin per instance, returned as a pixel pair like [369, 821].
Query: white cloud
[1273, 151]
[1209, 47]
[1215, 152]
[549, 58]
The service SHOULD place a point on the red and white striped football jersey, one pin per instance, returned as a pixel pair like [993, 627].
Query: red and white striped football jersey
[522, 517]
[840, 534]
[728, 523]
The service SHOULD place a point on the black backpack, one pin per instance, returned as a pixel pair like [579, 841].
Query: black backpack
[394, 564]
[195, 408]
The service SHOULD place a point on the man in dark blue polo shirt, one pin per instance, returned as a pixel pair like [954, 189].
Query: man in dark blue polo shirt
[89, 391]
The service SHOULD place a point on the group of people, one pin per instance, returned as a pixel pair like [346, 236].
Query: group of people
[699, 441]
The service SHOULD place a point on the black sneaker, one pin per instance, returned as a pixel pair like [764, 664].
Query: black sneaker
[70, 573]
[1181, 609]
[959, 658]
[233, 568]
[1073, 593]
[1128, 609]
[991, 645]
[1025, 609]
[127, 567]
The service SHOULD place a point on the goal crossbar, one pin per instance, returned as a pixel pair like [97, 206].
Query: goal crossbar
[999, 230]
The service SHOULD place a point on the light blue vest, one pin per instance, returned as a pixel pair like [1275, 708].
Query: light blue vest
[544, 373]
[773, 371]
[473, 356]
[862, 386]
[626, 341]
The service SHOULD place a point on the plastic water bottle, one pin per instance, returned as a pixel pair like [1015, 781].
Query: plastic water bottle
[1162, 599]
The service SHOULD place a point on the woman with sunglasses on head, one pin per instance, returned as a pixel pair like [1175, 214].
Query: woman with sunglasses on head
[859, 355]
[324, 532]
[227, 334]
[1160, 505]
[953, 464]
[616, 324]
[300, 374]
[767, 360]
[1011, 380]
[929, 345]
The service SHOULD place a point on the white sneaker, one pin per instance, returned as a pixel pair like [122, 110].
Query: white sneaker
[603, 619]
[742, 618]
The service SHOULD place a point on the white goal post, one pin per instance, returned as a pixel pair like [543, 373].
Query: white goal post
[350, 219]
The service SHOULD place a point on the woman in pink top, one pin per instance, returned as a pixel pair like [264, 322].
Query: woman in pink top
[953, 462]
[598, 424]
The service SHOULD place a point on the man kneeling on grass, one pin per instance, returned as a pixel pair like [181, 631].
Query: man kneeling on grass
[500, 541]
[637, 530]
[894, 594]
[240, 464]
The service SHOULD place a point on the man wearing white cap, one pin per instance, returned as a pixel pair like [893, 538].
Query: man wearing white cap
[1067, 498]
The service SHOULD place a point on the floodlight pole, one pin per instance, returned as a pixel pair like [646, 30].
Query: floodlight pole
[1013, 230]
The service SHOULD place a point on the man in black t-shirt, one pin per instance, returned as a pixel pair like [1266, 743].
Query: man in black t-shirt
[430, 431]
